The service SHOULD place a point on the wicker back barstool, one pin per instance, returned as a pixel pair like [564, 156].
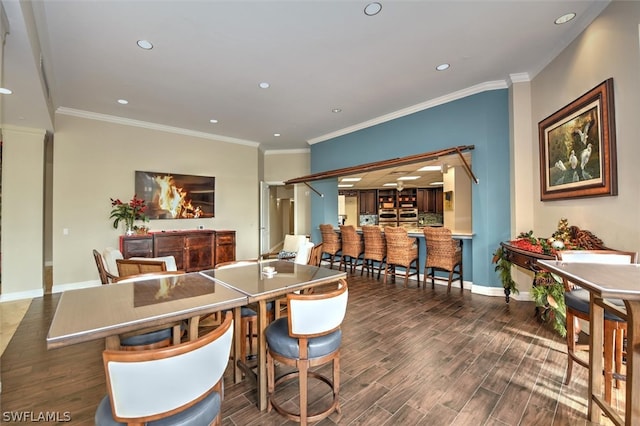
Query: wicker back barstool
[352, 248]
[375, 249]
[402, 250]
[331, 244]
[443, 253]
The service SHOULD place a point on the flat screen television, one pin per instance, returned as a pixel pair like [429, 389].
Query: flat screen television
[175, 196]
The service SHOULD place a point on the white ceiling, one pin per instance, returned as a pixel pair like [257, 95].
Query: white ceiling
[209, 57]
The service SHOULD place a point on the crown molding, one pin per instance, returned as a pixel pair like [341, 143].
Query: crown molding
[287, 151]
[151, 126]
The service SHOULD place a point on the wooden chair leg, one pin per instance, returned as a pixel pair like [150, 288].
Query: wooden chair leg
[619, 349]
[336, 382]
[270, 380]
[608, 360]
[303, 379]
[571, 346]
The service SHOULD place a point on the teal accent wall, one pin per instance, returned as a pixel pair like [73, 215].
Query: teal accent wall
[481, 120]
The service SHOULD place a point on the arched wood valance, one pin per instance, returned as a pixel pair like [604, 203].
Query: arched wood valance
[377, 165]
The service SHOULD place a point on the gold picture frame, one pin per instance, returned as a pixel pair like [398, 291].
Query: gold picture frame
[578, 149]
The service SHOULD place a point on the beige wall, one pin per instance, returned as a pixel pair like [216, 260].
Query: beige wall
[608, 48]
[280, 167]
[96, 160]
[457, 180]
[22, 211]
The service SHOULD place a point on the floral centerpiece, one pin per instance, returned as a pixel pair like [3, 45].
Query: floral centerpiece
[129, 213]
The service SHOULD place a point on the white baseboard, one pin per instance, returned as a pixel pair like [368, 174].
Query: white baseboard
[20, 295]
[75, 286]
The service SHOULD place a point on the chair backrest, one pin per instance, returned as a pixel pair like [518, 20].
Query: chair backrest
[234, 264]
[149, 385]
[442, 250]
[315, 255]
[400, 247]
[128, 267]
[170, 261]
[613, 257]
[317, 314]
[375, 247]
[351, 241]
[147, 276]
[293, 243]
[330, 240]
[396, 236]
[105, 277]
[304, 252]
[110, 256]
[437, 234]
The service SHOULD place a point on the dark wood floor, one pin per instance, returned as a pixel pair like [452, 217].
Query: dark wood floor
[409, 357]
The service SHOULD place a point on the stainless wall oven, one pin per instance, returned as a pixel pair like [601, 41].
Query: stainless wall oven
[408, 215]
[388, 217]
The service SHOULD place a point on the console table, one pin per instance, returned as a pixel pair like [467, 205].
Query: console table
[193, 250]
[524, 259]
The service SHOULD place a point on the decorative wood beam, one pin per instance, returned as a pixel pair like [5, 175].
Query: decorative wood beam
[313, 189]
[377, 165]
[466, 166]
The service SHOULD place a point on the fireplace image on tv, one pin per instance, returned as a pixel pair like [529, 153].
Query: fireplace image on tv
[175, 196]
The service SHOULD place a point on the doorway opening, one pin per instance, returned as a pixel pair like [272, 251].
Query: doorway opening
[277, 215]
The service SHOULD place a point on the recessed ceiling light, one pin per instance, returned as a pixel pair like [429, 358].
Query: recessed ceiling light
[345, 185]
[565, 18]
[390, 184]
[336, 110]
[372, 9]
[436, 183]
[145, 44]
[409, 178]
[430, 169]
[5, 91]
[443, 67]
[276, 134]
[264, 85]
[123, 101]
[213, 121]
[351, 179]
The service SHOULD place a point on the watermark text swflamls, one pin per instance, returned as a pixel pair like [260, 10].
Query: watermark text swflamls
[36, 416]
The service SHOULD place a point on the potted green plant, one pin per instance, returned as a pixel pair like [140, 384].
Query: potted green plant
[128, 213]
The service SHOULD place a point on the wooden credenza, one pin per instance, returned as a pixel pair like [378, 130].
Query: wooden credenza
[193, 250]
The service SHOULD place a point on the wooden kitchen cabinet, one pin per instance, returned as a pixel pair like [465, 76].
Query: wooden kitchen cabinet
[430, 200]
[439, 200]
[367, 201]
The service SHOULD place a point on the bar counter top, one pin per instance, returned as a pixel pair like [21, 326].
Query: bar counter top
[417, 232]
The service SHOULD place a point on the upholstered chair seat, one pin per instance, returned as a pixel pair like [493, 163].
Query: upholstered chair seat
[202, 413]
[280, 342]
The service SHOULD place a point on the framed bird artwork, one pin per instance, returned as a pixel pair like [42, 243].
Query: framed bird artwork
[578, 148]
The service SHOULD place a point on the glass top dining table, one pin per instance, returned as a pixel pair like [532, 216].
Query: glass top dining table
[110, 310]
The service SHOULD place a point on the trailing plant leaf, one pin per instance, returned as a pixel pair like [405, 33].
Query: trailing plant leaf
[548, 295]
[503, 267]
